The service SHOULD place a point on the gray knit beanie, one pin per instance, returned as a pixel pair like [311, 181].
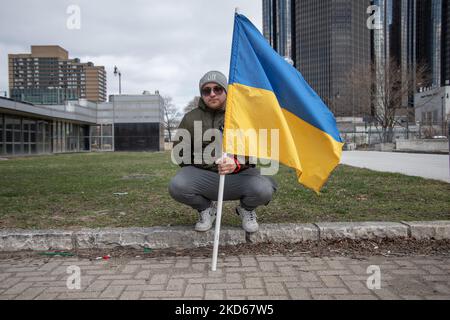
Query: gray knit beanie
[215, 77]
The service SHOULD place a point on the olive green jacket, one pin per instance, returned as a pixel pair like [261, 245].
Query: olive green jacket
[210, 119]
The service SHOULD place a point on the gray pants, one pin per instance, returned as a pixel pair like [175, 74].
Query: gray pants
[197, 188]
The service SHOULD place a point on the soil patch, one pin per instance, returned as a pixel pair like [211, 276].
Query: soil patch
[357, 249]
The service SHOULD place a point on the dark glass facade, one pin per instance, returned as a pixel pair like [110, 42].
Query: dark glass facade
[433, 40]
[279, 26]
[24, 135]
[45, 96]
[331, 38]
[446, 43]
[268, 22]
[396, 42]
[436, 42]
[423, 34]
[409, 45]
[138, 136]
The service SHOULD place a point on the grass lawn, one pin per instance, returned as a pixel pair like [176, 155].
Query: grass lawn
[78, 190]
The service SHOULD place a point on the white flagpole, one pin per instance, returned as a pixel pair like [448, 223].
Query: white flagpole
[218, 219]
[219, 212]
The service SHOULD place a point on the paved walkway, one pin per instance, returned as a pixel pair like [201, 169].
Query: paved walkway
[246, 277]
[430, 166]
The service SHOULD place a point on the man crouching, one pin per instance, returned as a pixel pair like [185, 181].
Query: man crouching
[196, 184]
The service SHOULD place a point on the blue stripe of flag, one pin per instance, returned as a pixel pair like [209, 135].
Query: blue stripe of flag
[254, 63]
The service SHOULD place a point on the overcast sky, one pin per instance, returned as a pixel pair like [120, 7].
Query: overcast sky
[164, 45]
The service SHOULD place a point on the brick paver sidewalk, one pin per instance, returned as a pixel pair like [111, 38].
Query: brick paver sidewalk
[245, 277]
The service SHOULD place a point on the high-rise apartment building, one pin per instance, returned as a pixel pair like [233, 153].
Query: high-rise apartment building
[48, 76]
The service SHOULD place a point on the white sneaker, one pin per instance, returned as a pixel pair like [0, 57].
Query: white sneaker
[206, 218]
[248, 219]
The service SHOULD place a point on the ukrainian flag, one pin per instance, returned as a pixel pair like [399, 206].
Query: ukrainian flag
[266, 92]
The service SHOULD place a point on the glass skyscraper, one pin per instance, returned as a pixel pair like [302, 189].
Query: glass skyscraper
[325, 40]
[331, 39]
[436, 43]
[423, 34]
[433, 40]
[446, 43]
[395, 42]
[278, 26]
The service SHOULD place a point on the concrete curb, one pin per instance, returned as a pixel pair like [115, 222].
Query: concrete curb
[362, 230]
[439, 230]
[186, 237]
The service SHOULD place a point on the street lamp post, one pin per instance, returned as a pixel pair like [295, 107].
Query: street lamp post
[448, 138]
[113, 125]
[117, 72]
[442, 115]
[420, 129]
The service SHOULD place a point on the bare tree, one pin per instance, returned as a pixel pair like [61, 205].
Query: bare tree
[192, 104]
[355, 97]
[171, 116]
[385, 89]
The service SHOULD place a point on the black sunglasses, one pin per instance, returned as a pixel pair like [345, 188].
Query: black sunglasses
[207, 91]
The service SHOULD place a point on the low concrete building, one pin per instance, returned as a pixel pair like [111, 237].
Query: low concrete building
[138, 121]
[432, 108]
[126, 123]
